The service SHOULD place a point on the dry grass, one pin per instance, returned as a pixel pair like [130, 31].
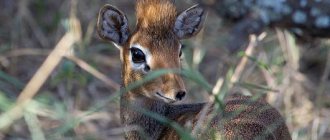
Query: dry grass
[69, 91]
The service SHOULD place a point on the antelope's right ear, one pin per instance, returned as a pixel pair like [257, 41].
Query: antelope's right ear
[112, 25]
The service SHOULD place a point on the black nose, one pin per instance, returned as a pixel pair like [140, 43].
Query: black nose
[180, 95]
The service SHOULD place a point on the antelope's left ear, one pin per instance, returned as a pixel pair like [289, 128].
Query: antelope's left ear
[189, 22]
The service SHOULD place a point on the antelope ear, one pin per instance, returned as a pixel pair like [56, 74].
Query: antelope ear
[189, 22]
[112, 25]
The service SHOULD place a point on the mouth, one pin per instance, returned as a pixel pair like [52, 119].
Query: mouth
[165, 99]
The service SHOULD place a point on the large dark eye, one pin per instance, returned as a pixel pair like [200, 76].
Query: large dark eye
[137, 55]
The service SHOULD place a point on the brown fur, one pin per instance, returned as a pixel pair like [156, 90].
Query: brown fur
[155, 24]
[242, 118]
[154, 31]
[152, 14]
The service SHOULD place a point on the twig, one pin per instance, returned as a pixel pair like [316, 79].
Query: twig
[24, 51]
[44, 52]
[21, 52]
[202, 119]
[240, 67]
[237, 74]
[271, 82]
[79, 62]
[82, 64]
[202, 116]
[289, 49]
[39, 78]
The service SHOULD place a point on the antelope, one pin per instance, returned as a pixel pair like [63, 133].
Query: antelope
[154, 44]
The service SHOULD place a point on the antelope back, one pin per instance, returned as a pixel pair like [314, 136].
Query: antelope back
[249, 118]
[243, 118]
[153, 45]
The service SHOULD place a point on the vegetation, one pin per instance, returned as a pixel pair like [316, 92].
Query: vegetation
[51, 48]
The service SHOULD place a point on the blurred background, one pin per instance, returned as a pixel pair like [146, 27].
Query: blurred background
[77, 101]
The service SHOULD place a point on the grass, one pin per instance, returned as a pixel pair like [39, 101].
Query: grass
[77, 98]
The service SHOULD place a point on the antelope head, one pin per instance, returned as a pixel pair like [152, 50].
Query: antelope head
[154, 44]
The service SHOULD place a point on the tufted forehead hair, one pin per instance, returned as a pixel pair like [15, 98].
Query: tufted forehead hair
[156, 15]
[156, 19]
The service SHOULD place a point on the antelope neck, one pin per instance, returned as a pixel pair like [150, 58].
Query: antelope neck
[131, 114]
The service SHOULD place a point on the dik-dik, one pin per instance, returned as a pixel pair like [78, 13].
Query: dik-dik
[154, 44]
